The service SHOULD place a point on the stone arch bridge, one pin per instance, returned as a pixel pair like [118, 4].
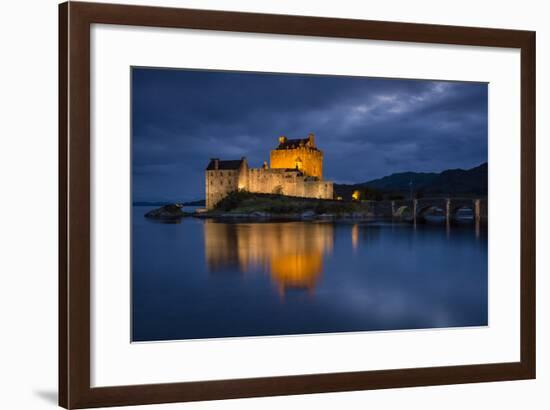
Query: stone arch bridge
[418, 208]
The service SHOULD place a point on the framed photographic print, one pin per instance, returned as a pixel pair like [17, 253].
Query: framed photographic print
[256, 205]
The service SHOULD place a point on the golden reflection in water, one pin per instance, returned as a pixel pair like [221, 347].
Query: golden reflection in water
[292, 252]
[355, 237]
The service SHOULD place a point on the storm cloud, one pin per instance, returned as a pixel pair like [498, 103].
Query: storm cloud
[366, 127]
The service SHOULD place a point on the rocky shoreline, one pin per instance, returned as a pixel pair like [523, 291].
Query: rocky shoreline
[175, 212]
[171, 211]
[280, 216]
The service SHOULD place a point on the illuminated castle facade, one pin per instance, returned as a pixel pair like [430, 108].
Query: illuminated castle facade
[295, 169]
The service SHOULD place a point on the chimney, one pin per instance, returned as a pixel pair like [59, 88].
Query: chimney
[282, 139]
[216, 162]
[311, 139]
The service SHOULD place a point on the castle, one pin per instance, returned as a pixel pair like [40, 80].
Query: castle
[295, 169]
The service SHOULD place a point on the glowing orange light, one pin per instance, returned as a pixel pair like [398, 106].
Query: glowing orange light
[355, 237]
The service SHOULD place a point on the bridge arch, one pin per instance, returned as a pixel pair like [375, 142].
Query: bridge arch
[427, 208]
[457, 208]
[463, 213]
[417, 209]
[403, 211]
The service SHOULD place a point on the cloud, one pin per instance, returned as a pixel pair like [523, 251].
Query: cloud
[367, 127]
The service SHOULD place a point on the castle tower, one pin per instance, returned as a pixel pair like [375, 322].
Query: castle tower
[223, 177]
[299, 154]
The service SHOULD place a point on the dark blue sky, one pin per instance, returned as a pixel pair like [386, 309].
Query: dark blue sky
[366, 127]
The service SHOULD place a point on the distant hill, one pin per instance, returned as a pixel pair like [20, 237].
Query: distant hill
[453, 182]
[459, 181]
[401, 181]
[200, 202]
[150, 203]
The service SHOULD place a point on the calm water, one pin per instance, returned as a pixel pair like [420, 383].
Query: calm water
[207, 279]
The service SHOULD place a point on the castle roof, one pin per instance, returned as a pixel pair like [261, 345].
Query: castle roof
[285, 143]
[224, 164]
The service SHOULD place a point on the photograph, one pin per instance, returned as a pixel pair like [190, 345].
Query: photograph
[261, 205]
[275, 204]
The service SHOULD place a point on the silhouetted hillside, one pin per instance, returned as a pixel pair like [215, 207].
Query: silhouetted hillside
[401, 181]
[459, 181]
[452, 182]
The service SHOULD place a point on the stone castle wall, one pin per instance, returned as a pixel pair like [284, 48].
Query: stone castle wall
[219, 183]
[317, 189]
[287, 182]
[267, 181]
[308, 160]
[272, 181]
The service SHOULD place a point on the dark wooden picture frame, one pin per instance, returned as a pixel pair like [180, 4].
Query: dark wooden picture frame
[75, 20]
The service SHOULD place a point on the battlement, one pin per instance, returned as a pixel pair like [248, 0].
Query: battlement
[285, 143]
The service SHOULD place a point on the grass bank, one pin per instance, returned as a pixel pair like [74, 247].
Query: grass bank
[243, 202]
